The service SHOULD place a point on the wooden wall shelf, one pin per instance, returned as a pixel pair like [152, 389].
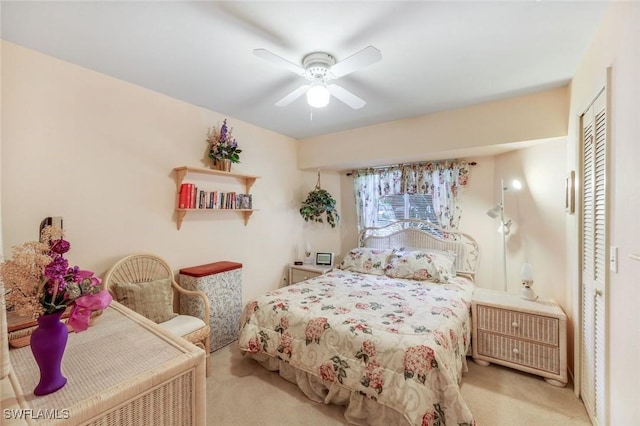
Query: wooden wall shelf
[182, 171]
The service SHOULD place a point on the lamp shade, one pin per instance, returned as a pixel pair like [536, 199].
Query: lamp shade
[526, 275]
[526, 272]
[318, 95]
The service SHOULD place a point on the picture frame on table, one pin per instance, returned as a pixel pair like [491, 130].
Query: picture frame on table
[324, 259]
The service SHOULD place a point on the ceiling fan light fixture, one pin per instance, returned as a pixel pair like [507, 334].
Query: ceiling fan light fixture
[318, 95]
[320, 69]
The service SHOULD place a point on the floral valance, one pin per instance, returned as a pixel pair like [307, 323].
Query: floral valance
[443, 180]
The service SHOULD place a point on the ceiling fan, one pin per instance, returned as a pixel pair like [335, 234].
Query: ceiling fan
[320, 68]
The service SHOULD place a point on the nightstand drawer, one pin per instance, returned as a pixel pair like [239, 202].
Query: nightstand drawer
[532, 355]
[298, 275]
[538, 328]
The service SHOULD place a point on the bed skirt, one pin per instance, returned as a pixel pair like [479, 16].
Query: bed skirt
[359, 410]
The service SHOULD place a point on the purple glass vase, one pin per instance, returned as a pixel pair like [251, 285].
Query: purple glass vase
[48, 343]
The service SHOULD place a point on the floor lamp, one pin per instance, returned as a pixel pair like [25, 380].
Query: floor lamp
[504, 227]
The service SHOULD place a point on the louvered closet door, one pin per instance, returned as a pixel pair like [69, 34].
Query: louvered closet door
[594, 258]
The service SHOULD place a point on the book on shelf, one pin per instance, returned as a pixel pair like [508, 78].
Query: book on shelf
[191, 197]
[186, 196]
[227, 200]
[183, 196]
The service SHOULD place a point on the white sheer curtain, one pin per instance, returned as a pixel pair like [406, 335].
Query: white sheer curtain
[445, 181]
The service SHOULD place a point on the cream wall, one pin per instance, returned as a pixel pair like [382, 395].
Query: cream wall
[447, 134]
[100, 152]
[616, 45]
[321, 237]
[538, 215]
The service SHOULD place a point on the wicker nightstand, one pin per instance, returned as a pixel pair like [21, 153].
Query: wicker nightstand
[521, 334]
[299, 273]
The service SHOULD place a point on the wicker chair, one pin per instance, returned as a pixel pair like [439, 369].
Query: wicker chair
[141, 268]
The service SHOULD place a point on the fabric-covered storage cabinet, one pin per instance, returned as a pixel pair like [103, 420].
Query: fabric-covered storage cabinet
[123, 370]
[222, 283]
[522, 334]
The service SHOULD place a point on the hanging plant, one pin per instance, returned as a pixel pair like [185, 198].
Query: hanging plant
[319, 201]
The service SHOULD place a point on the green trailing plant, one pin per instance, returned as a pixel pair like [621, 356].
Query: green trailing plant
[319, 202]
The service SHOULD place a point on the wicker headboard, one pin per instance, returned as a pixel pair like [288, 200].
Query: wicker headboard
[419, 234]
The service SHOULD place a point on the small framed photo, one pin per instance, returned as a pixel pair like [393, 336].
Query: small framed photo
[324, 259]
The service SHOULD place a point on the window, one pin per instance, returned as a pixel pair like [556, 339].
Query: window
[426, 191]
[392, 208]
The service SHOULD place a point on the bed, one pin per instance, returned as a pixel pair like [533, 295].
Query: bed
[386, 333]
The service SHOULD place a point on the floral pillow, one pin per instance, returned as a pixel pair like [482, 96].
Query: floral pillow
[445, 257]
[366, 260]
[420, 265]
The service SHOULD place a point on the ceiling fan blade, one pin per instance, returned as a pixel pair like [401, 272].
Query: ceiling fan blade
[346, 96]
[293, 95]
[278, 60]
[365, 57]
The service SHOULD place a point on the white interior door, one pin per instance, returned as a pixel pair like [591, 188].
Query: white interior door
[594, 259]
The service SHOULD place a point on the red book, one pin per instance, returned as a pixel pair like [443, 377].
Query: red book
[183, 197]
[194, 197]
[189, 191]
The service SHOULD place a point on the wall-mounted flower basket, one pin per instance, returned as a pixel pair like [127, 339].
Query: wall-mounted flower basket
[320, 203]
[223, 147]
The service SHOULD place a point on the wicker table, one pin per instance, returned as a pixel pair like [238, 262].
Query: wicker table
[526, 335]
[124, 370]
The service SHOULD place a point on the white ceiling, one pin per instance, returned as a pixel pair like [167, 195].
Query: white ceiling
[435, 55]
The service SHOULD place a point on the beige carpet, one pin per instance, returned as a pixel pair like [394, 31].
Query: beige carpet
[241, 392]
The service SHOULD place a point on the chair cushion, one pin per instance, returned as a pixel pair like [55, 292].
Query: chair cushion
[182, 325]
[151, 299]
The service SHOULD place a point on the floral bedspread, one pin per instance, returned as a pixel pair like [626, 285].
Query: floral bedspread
[400, 342]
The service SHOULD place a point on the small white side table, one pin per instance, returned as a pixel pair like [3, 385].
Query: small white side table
[303, 272]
